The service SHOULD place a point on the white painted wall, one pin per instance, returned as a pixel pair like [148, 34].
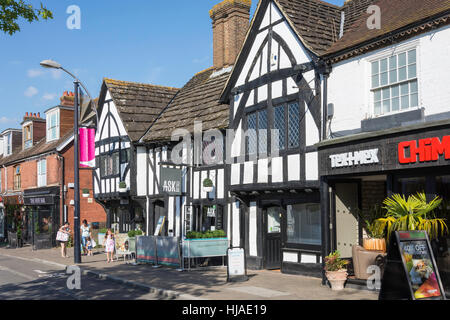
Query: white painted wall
[252, 231]
[349, 83]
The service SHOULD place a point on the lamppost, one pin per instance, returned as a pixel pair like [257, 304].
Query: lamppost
[77, 243]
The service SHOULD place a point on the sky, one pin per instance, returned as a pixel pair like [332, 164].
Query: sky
[147, 41]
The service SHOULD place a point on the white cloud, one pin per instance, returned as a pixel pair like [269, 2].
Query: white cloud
[33, 73]
[49, 96]
[5, 120]
[31, 91]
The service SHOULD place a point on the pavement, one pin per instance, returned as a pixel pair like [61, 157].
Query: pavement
[197, 284]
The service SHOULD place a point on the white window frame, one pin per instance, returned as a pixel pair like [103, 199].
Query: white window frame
[8, 144]
[387, 53]
[56, 127]
[42, 174]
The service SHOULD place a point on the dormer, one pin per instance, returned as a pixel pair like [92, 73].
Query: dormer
[60, 118]
[33, 129]
[12, 139]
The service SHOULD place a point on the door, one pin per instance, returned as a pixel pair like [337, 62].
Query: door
[347, 227]
[272, 243]
[160, 212]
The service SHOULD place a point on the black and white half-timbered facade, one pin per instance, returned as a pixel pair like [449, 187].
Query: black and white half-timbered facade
[275, 97]
[126, 109]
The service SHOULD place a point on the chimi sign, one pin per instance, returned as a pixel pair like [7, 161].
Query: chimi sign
[426, 150]
[349, 159]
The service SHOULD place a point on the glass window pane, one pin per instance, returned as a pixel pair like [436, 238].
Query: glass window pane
[377, 108]
[393, 76]
[303, 224]
[386, 93]
[386, 106]
[294, 125]
[262, 131]
[251, 133]
[413, 86]
[412, 73]
[404, 88]
[375, 81]
[377, 95]
[375, 68]
[402, 74]
[273, 220]
[384, 79]
[402, 59]
[395, 90]
[395, 104]
[280, 125]
[412, 56]
[405, 102]
[393, 62]
[383, 65]
[414, 100]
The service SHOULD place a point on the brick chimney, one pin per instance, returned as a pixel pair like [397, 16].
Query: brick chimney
[230, 20]
[68, 99]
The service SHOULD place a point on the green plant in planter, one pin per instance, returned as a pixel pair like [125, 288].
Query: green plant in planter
[134, 233]
[85, 191]
[206, 235]
[122, 184]
[414, 213]
[103, 230]
[333, 262]
[371, 223]
[207, 183]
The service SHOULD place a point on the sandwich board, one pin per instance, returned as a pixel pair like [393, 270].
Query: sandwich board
[236, 266]
[411, 272]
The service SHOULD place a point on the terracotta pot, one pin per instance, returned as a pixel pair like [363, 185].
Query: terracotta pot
[337, 279]
[372, 244]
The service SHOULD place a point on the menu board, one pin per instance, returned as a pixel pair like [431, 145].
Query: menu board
[236, 264]
[420, 269]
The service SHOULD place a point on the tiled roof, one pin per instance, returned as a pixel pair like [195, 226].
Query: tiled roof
[198, 100]
[41, 147]
[138, 104]
[316, 22]
[395, 15]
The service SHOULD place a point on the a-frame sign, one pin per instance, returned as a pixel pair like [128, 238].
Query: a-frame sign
[411, 272]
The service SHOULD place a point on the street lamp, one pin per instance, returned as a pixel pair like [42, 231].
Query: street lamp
[77, 243]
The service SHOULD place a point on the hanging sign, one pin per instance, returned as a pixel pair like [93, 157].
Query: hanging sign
[236, 267]
[87, 147]
[171, 181]
[159, 225]
[411, 271]
[211, 212]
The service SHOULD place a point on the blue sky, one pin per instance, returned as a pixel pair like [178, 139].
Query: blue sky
[149, 41]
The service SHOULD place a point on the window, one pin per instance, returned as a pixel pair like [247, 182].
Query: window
[109, 165]
[17, 180]
[53, 125]
[27, 137]
[303, 224]
[287, 122]
[257, 125]
[280, 125]
[294, 125]
[1, 187]
[394, 83]
[8, 144]
[42, 172]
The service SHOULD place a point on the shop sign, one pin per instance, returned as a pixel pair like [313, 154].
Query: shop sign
[171, 181]
[411, 271]
[211, 212]
[38, 201]
[236, 264]
[350, 159]
[429, 149]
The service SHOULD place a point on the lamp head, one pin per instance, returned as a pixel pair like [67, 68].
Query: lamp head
[50, 64]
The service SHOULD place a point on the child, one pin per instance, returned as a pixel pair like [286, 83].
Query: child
[109, 245]
[89, 246]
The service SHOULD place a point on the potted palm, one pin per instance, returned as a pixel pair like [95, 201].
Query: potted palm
[414, 213]
[207, 185]
[335, 270]
[122, 187]
[374, 239]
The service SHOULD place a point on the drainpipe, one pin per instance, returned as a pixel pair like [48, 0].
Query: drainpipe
[63, 182]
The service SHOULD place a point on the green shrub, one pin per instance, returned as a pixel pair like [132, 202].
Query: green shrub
[207, 183]
[206, 235]
[134, 233]
[103, 230]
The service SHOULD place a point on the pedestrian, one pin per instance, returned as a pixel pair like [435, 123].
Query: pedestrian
[85, 233]
[109, 245]
[89, 246]
[63, 238]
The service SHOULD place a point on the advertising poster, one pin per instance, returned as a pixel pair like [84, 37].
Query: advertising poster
[420, 269]
[146, 249]
[87, 147]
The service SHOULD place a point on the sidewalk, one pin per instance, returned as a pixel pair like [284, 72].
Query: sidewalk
[208, 284]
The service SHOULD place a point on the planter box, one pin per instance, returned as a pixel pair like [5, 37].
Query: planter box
[85, 195]
[124, 190]
[208, 189]
[202, 248]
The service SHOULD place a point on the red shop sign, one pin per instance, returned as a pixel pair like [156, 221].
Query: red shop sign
[429, 149]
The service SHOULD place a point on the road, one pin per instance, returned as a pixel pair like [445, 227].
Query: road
[29, 280]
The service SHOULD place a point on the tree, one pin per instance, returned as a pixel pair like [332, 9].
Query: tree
[12, 10]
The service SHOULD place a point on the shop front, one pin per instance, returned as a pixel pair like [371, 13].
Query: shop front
[43, 216]
[360, 171]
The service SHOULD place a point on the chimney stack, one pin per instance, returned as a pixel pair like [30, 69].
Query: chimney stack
[68, 99]
[230, 20]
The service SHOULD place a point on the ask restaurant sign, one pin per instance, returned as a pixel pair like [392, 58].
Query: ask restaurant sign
[171, 181]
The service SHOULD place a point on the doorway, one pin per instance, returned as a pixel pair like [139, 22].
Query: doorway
[272, 237]
[347, 225]
[160, 212]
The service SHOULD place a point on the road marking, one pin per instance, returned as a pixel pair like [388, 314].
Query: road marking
[20, 274]
[258, 291]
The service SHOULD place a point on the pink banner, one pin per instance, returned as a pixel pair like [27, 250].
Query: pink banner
[87, 147]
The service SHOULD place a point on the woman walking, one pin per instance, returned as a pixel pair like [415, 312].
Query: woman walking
[109, 245]
[63, 238]
[85, 233]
